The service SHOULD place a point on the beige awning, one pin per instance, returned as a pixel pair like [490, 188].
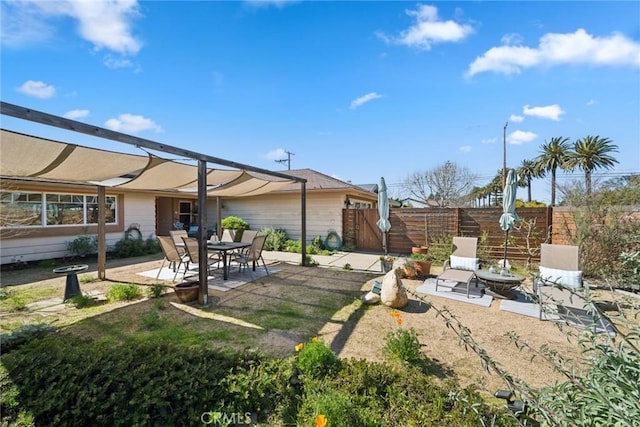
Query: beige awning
[28, 156]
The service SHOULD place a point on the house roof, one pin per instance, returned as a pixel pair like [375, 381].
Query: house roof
[317, 181]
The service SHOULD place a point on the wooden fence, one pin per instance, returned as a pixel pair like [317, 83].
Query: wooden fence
[413, 226]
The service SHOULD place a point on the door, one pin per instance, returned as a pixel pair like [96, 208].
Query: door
[368, 235]
[184, 214]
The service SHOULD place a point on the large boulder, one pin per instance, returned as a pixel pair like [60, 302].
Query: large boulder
[393, 294]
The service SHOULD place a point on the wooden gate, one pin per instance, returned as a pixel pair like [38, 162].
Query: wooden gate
[360, 227]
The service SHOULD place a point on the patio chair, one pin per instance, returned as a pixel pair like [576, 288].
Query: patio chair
[253, 255]
[177, 236]
[193, 253]
[228, 235]
[247, 237]
[461, 265]
[559, 286]
[171, 255]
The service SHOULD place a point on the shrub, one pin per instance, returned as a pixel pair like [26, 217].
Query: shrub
[234, 223]
[152, 320]
[23, 335]
[402, 345]
[122, 292]
[83, 245]
[156, 291]
[127, 248]
[276, 238]
[81, 301]
[316, 359]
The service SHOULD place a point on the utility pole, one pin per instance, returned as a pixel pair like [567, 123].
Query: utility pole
[287, 160]
[504, 155]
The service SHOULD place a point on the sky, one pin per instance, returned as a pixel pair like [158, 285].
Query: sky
[357, 90]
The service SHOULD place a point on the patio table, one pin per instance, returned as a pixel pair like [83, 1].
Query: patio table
[225, 249]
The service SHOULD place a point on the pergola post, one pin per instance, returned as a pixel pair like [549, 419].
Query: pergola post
[203, 256]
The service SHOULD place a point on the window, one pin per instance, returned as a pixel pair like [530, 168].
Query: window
[18, 209]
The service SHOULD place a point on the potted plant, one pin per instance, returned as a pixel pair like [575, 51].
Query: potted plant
[409, 269]
[386, 262]
[422, 263]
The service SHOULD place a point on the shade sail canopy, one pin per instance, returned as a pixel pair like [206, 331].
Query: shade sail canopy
[25, 156]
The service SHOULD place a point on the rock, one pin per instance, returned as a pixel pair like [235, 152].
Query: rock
[393, 294]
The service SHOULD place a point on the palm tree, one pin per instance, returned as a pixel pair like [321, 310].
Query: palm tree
[554, 155]
[590, 153]
[527, 171]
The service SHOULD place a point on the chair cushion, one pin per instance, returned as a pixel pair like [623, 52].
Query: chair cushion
[464, 263]
[567, 278]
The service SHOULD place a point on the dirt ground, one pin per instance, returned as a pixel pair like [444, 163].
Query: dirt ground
[355, 330]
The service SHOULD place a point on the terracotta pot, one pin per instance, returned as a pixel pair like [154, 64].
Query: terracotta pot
[409, 273]
[423, 268]
[187, 291]
[420, 249]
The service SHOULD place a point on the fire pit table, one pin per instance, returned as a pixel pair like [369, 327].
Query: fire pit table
[500, 284]
[72, 287]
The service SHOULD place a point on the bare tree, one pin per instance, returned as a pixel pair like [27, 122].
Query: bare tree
[447, 184]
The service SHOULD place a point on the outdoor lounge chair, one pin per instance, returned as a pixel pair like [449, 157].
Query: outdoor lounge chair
[171, 255]
[461, 265]
[253, 255]
[559, 286]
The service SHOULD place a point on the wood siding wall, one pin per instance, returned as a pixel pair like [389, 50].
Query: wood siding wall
[324, 213]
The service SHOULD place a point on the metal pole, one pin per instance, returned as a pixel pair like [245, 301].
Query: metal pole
[203, 276]
[504, 155]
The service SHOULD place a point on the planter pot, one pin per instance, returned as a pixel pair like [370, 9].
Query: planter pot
[387, 266]
[409, 273]
[420, 249]
[187, 291]
[423, 268]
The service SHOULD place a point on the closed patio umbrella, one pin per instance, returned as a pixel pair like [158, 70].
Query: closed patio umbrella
[509, 216]
[383, 211]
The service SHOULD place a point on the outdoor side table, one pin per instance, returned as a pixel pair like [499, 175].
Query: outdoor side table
[501, 285]
[72, 287]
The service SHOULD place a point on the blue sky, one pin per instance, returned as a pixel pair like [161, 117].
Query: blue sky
[356, 90]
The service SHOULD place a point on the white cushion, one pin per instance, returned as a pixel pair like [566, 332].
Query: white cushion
[464, 263]
[566, 278]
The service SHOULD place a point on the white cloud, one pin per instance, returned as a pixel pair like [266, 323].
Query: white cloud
[552, 112]
[364, 99]
[516, 119]
[37, 89]
[559, 49]
[520, 137]
[591, 102]
[465, 148]
[76, 114]
[428, 30]
[276, 154]
[131, 123]
[105, 24]
[511, 39]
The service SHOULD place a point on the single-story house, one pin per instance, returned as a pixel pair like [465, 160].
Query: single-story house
[39, 216]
